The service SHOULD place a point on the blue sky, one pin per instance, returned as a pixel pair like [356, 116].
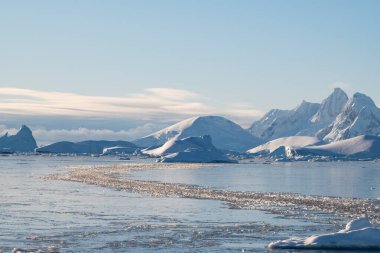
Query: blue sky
[236, 57]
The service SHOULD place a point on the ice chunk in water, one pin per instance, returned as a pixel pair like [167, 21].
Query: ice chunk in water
[358, 234]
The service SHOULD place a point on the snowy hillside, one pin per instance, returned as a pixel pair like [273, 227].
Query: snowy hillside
[225, 134]
[175, 145]
[330, 108]
[23, 141]
[292, 141]
[281, 123]
[364, 146]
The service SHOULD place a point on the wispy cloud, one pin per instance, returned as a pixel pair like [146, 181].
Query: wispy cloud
[342, 85]
[244, 114]
[56, 116]
[150, 103]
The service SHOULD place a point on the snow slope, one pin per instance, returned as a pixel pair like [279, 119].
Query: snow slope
[359, 116]
[225, 134]
[190, 149]
[180, 145]
[292, 141]
[359, 234]
[22, 141]
[83, 147]
[364, 146]
[330, 108]
[281, 123]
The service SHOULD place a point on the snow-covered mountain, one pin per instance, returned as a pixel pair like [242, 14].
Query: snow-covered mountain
[23, 141]
[226, 135]
[360, 116]
[330, 108]
[83, 147]
[336, 118]
[280, 123]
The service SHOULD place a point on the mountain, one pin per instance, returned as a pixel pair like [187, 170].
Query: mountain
[293, 141]
[83, 147]
[360, 116]
[23, 141]
[330, 108]
[190, 149]
[226, 135]
[280, 123]
[336, 118]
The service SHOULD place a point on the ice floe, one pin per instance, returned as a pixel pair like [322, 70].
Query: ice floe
[358, 234]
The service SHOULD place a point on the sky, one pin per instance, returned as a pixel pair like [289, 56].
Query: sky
[121, 69]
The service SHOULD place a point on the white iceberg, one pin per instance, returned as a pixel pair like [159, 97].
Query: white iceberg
[358, 234]
[191, 149]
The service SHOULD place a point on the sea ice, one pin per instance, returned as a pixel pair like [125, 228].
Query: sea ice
[358, 234]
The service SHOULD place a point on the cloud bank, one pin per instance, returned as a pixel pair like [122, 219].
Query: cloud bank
[149, 104]
[56, 116]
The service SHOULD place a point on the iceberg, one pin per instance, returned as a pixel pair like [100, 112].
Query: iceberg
[359, 234]
[190, 149]
[119, 150]
[83, 147]
[22, 141]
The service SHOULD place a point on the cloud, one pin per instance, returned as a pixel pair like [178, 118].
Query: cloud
[342, 85]
[151, 103]
[243, 114]
[57, 116]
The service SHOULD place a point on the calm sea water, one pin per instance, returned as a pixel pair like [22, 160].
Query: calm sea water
[58, 216]
[341, 179]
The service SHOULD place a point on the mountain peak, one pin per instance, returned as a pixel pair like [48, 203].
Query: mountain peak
[338, 90]
[306, 107]
[330, 107]
[363, 99]
[24, 131]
